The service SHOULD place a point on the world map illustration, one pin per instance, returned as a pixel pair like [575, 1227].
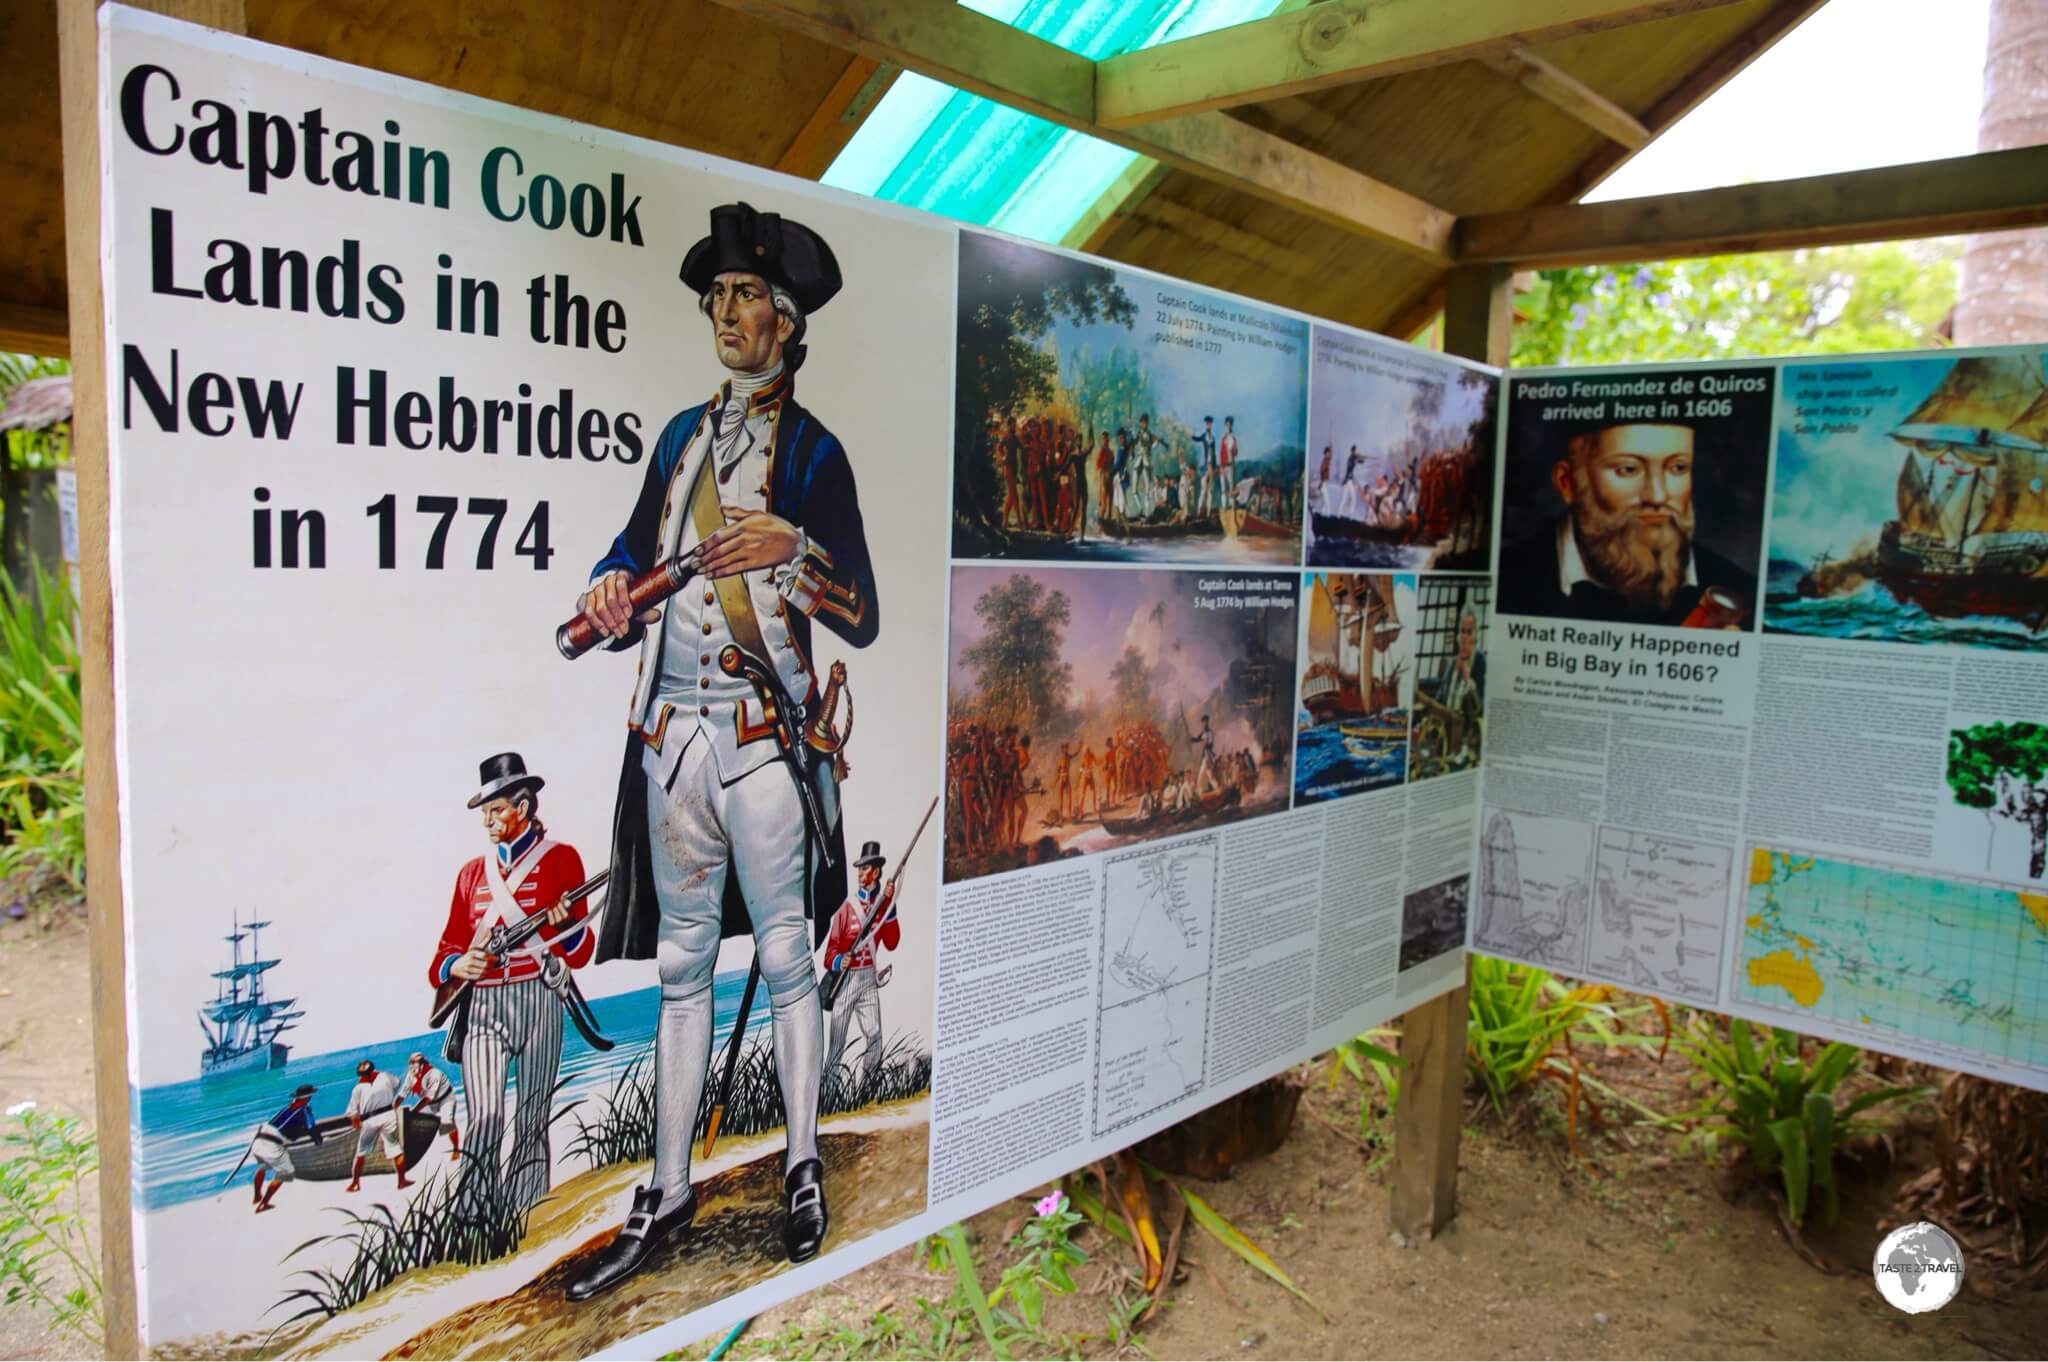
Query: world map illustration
[1950, 965]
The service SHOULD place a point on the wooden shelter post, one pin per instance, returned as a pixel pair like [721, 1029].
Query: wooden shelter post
[79, 84]
[1431, 1112]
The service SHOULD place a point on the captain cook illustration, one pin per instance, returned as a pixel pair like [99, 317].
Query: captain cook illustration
[727, 819]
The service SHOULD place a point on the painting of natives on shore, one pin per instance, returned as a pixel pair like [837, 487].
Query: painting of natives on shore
[1400, 466]
[1911, 502]
[1092, 709]
[1107, 415]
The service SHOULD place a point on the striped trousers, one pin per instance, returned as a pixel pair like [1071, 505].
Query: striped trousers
[513, 1023]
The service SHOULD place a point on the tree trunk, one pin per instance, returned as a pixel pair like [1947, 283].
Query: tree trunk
[2004, 294]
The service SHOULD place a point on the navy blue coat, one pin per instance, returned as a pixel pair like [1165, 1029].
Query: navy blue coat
[810, 486]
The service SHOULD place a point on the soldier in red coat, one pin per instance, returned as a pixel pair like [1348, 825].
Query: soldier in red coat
[514, 1018]
[859, 998]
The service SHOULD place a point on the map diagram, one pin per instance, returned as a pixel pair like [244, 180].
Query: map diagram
[1158, 918]
[1533, 895]
[1949, 968]
[1660, 912]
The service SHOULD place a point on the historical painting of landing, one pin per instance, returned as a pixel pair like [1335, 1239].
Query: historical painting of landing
[468, 1020]
[1400, 464]
[1107, 415]
[1947, 969]
[1911, 502]
[1091, 709]
[1535, 889]
[1446, 727]
[1152, 1009]
[1357, 681]
[1660, 907]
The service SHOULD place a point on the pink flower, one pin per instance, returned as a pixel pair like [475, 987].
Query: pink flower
[1051, 1204]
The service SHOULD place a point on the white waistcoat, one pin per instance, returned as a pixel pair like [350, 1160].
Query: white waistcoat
[681, 693]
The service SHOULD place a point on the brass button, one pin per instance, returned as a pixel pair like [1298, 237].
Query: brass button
[707, 630]
[709, 597]
[704, 710]
[703, 683]
[703, 659]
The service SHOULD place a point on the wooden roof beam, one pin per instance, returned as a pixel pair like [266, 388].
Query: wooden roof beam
[1589, 106]
[35, 330]
[1342, 42]
[1987, 192]
[969, 51]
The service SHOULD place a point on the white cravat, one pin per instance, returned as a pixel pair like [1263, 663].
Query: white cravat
[736, 438]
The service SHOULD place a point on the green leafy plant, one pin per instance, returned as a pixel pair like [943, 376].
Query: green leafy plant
[1046, 1258]
[46, 1250]
[42, 786]
[1373, 1065]
[1762, 1092]
[1524, 1023]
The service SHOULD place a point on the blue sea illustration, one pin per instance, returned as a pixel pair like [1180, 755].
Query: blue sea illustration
[1328, 765]
[192, 1132]
[1871, 612]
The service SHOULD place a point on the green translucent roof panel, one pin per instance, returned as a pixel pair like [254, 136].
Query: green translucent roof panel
[933, 147]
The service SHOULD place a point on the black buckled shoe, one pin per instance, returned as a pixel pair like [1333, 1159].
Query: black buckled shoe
[803, 1232]
[644, 1231]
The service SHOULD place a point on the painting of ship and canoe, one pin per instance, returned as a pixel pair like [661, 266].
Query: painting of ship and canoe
[1400, 466]
[1911, 502]
[1090, 708]
[1106, 415]
[1357, 683]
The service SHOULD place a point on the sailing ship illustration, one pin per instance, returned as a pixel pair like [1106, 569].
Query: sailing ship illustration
[242, 1024]
[1972, 533]
[1352, 627]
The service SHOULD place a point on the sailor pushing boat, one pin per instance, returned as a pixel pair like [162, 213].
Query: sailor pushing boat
[271, 1147]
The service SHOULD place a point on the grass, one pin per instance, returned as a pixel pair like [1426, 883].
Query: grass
[623, 1129]
[46, 1251]
[465, 1214]
[42, 784]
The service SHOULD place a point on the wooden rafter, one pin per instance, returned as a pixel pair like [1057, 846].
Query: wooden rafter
[833, 123]
[1342, 42]
[1990, 191]
[1589, 106]
[971, 52]
[34, 330]
[1690, 93]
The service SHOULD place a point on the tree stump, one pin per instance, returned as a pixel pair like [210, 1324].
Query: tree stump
[1207, 1145]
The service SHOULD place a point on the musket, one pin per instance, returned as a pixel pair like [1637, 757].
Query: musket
[732, 1056]
[450, 997]
[835, 980]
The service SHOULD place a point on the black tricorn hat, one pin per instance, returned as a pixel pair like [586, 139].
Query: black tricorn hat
[870, 854]
[502, 773]
[783, 252]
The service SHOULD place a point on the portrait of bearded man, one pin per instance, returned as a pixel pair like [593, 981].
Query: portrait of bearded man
[1627, 549]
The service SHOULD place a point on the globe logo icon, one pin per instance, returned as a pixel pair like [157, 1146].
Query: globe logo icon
[1918, 1268]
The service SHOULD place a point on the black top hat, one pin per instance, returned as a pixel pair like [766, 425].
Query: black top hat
[506, 771]
[870, 854]
[304, 1090]
[785, 253]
